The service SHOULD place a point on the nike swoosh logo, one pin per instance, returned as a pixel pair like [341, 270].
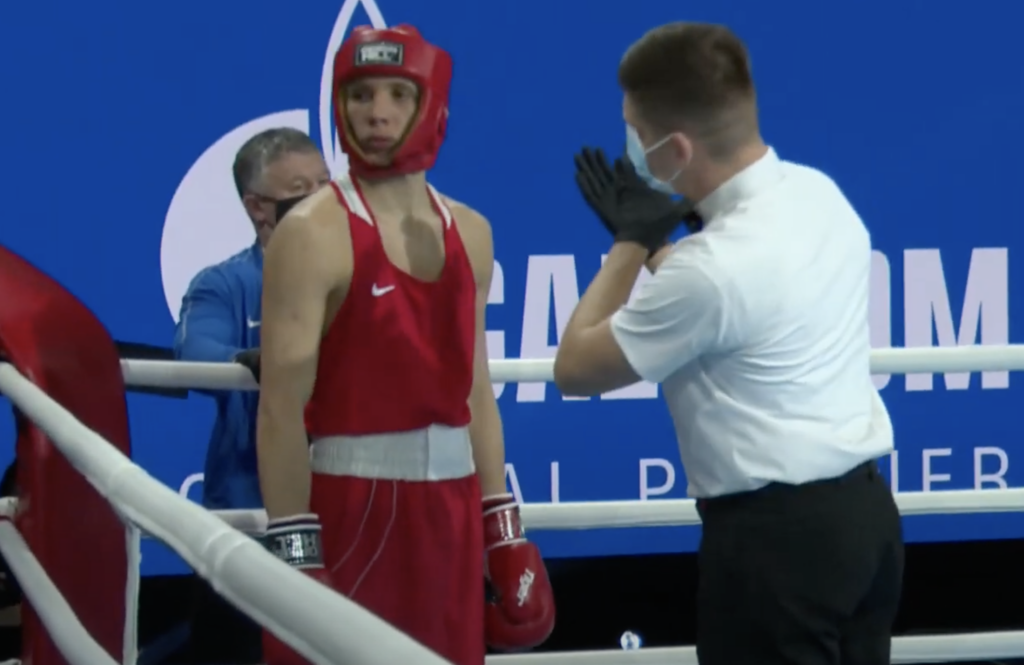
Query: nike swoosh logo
[378, 291]
[252, 324]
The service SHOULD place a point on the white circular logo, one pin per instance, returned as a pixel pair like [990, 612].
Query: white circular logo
[337, 161]
[206, 222]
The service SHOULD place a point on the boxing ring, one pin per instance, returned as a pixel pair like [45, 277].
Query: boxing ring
[326, 627]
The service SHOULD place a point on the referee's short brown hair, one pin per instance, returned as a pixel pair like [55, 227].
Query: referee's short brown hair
[693, 77]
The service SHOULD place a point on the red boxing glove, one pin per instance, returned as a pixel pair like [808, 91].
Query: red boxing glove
[521, 613]
[296, 541]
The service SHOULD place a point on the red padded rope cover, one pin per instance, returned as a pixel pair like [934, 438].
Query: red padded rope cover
[55, 341]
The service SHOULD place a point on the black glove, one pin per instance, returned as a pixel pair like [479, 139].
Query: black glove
[627, 206]
[251, 359]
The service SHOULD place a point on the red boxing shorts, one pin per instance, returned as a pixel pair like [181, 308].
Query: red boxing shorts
[402, 533]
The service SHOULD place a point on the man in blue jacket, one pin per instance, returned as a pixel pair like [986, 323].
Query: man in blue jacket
[220, 313]
[220, 322]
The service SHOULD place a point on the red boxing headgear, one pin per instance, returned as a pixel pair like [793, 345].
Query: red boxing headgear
[402, 52]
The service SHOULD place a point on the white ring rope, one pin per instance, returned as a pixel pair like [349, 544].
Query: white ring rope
[582, 515]
[307, 616]
[918, 649]
[67, 632]
[317, 622]
[924, 360]
[133, 540]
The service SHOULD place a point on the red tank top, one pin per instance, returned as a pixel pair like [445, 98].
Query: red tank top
[399, 354]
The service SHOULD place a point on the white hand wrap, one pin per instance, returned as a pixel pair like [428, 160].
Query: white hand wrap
[296, 541]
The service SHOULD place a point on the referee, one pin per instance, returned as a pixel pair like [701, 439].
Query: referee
[757, 325]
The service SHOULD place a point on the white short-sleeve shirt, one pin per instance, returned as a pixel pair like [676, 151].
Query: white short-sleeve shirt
[757, 326]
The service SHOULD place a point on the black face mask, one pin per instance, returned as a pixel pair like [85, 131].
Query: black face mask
[282, 206]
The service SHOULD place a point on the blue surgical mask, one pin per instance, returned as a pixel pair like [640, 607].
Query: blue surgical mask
[638, 156]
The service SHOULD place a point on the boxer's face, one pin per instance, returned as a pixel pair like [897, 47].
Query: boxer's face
[379, 110]
[292, 176]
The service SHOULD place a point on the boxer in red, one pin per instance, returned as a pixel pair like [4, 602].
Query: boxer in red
[374, 296]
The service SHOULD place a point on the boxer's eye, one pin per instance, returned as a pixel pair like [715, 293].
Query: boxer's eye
[359, 93]
[404, 92]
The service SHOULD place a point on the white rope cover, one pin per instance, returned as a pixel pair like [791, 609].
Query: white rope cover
[683, 512]
[67, 632]
[927, 360]
[918, 649]
[307, 616]
[322, 625]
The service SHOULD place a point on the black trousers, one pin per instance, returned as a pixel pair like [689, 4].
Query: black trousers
[220, 633]
[800, 575]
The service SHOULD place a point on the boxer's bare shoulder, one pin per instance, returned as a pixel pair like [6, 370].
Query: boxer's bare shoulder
[475, 231]
[314, 237]
[323, 198]
[307, 267]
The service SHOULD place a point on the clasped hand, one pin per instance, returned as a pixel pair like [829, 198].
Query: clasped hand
[630, 209]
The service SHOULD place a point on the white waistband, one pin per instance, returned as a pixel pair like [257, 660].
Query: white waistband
[434, 453]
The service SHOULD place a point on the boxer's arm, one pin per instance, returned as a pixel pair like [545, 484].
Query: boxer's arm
[485, 429]
[297, 280]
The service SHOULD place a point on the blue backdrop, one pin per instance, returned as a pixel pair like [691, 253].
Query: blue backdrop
[121, 120]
